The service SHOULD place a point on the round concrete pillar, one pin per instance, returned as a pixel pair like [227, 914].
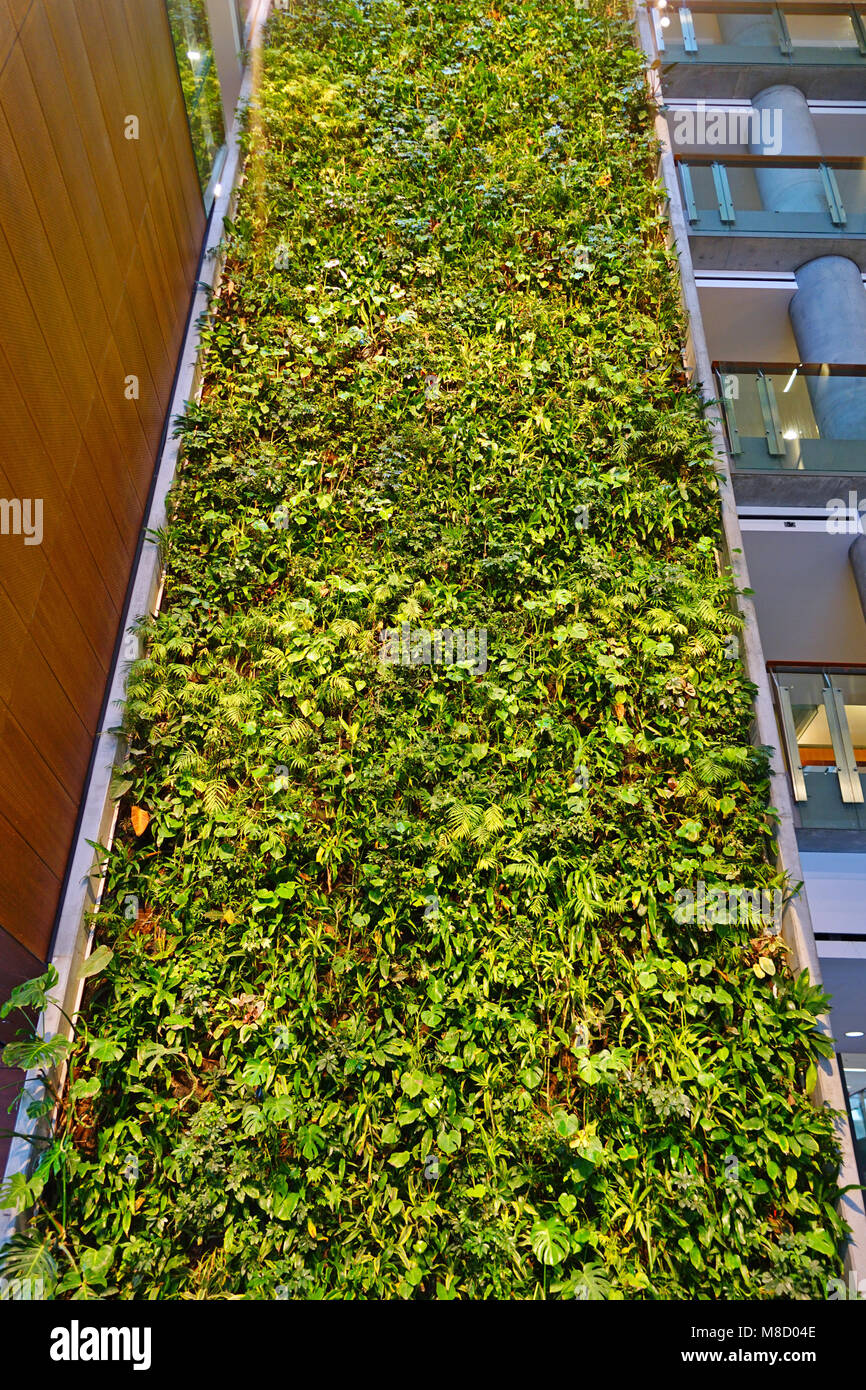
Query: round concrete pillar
[828, 315]
[784, 126]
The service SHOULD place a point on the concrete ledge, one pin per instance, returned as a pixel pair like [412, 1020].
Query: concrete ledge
[797, 925]
[790, 488]
[825, 80]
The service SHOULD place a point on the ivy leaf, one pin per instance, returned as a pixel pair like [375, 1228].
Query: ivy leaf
[690, 830]
[85, 1087]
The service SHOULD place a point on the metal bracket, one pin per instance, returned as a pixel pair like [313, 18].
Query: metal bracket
[789, 737]
[734, 446]
[859, 30]
[723, 194]
[785, 44]
[687, 25]
[770, 414]
[843, 749]
[658, 30]
[689, 194]
[838, 215]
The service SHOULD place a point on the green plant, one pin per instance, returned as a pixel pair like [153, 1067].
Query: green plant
[399, 1003]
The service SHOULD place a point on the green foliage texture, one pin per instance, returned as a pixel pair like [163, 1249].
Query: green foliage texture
[398, 1004]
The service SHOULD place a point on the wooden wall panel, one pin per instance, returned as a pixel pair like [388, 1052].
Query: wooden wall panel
[99, 244]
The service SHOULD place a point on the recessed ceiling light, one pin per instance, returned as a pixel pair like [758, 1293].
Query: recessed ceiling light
[855, 1033]
[665, 21]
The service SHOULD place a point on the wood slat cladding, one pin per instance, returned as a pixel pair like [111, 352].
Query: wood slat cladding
[100, 236]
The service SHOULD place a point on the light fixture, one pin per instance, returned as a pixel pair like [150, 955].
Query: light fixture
[791, 434]
[855, 1033]
[664, 21]
[790, 380]
[662, 4]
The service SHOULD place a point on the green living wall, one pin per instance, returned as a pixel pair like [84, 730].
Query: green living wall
[402, 999]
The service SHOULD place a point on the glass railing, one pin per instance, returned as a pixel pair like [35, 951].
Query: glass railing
[771, 195]
[853, 1071]
[822, 723]
[740, 35]
[807, 416]
[200, 83]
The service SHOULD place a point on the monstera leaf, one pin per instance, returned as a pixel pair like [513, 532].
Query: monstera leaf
[550, 1241]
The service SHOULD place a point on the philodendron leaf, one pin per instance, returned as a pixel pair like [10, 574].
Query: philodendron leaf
[95, 1264]
[104, 1050]
[96, 962]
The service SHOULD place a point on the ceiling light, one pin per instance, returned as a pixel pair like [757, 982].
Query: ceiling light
[855, 1033]
[791, 434]
[664, 21]
[790, 380]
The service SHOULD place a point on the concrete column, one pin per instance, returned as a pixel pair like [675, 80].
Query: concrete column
[749, 29]
[828, 315]
[785, 127]
[857, 558]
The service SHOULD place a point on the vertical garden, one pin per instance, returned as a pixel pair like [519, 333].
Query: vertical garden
[395, 999]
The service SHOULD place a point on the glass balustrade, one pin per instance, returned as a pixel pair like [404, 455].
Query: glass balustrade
[762, 34]
[767, 195]
[822, 722]
[807, 417]
[853, 1067]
